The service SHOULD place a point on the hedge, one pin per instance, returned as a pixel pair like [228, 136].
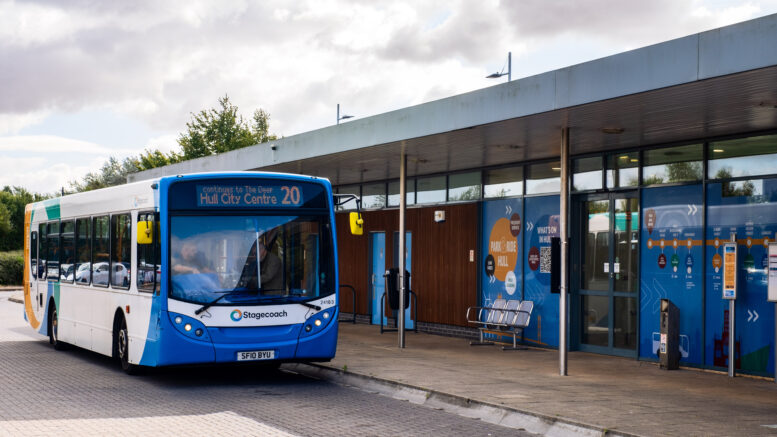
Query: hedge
[11, 268]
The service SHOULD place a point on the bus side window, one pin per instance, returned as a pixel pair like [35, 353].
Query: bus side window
[33, 254]
[67, 253]
[42, 252]
[148, 265]
[121, 250]
[52, 262]
[101, 250]
[83, 269]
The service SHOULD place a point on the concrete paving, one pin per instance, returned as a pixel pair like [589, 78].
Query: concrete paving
[608, 394]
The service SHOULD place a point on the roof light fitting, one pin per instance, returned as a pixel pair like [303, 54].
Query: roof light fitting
[502, 73]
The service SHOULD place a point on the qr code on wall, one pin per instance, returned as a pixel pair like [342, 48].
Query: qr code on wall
[545, 259]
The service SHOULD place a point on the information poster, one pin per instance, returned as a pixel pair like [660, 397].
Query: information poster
[501, 249]
[541, 224]
[670, 264]
[749, 210]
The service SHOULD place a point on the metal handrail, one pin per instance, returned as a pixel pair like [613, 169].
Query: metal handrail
[415, 312]
[353, 300]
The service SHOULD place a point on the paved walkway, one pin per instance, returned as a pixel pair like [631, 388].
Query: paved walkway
[610, 393]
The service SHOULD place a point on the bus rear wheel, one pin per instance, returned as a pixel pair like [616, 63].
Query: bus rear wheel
[54, 329]
[121, 346]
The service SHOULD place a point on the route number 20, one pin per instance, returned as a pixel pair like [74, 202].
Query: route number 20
[291, 195]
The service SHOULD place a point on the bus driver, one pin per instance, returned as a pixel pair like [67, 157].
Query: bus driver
[191, 261]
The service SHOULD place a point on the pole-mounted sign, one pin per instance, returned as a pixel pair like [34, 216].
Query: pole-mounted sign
[730, 271]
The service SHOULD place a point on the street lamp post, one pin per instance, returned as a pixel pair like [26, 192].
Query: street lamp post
[502, 73]
[344, 115]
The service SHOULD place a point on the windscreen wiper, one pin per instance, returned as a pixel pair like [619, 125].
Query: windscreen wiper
[284, 298]
[211, 303]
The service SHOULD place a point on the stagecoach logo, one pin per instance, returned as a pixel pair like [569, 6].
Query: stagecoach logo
[237, 315]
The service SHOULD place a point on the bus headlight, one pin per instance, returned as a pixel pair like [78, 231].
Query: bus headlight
[187, 327]
[198, 332]
[178, 320]
[325, 315]
[317, 322]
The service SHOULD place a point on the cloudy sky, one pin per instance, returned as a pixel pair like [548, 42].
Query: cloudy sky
[84, 80]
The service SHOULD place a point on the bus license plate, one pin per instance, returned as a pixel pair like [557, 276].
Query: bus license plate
[255, 355]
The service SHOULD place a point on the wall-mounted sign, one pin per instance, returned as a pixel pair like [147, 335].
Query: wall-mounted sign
[772, 292]
[730, 271]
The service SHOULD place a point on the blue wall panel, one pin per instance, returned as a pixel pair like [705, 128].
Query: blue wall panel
[748, 208]
[671, 267]
[501, 248]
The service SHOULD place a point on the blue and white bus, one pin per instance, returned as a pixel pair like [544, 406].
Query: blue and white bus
[201, 268]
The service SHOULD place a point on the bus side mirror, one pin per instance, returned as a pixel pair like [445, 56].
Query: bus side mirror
[145, 232]
[357, 223]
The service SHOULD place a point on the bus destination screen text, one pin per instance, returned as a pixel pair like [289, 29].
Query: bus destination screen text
[249, 196]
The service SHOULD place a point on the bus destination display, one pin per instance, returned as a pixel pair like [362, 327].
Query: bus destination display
[249, 196]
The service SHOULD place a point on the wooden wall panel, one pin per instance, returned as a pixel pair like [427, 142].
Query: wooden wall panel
[443, 277]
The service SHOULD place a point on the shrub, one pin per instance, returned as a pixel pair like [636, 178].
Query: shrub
[11, 268]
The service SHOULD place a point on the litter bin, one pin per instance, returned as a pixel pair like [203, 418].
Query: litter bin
[392, 288]
[669, 349]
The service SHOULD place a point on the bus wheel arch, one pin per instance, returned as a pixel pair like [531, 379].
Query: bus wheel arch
[121, 343]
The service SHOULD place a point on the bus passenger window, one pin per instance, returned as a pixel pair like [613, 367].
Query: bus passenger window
[67, 256]
[121, 250]
[101, 250]
[52, 262]
[148, 263]
[42, 253]
[83, 251]
[33, 254]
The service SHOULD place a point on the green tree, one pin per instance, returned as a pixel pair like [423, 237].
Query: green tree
[13, 201]
[113, 172]
[222, 129]
[155, 158]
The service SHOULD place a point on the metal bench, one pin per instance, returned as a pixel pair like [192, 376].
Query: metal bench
[511, 316]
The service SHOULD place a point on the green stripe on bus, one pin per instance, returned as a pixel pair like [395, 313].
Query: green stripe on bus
[52, 209]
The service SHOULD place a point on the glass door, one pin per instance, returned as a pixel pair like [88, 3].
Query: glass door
[607, 275]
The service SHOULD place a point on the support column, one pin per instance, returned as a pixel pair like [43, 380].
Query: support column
[402, 210]
[564, 219]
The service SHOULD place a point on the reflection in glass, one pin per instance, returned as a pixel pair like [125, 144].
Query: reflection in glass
[68, 252]
[672, 164]
[595, 321]
[121, 250]
[393, 192]
[543, 178]
[587, 174]
[52, 261]
[625, 323]
[249, 260]
[374, 196]
[42, 243]
[596, 248]
[623, 170]
[503, 182]
[101, 250]
[742, 157]
[431, 189]
[625, 265]
[464, 186]
[83, 251]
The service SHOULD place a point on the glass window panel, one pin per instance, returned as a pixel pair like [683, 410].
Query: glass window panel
[503, 182]
[596, 248]
[374, 196]
[52, 258]
[624, 333]
[673, 164]
[348, 189]
[595, 320]
[101, 250]
[393, 192]
[431, 189]
[543, 178]
[43, 249]
[120, 250]
[67, 252]
[148, 257]
[587, 174]
[623, 170]
[626, 244]
[743, 157]
[34, 254]
[464, 186]
[83, 251]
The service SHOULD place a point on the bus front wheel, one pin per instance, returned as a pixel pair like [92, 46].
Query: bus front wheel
[121, 339]
[54, 329]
